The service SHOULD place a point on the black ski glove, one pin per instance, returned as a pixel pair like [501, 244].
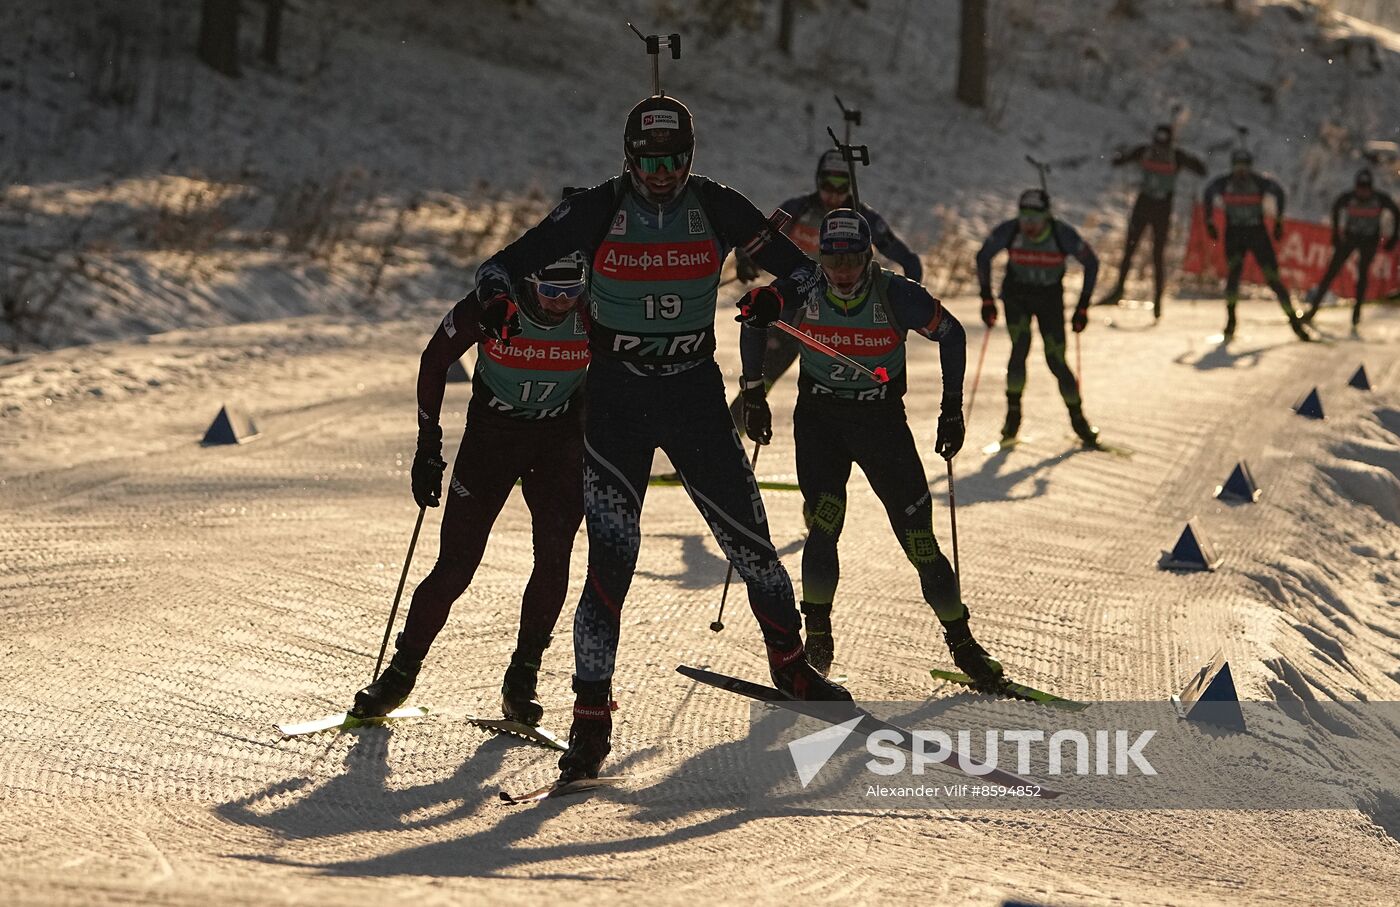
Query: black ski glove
[760, 307]
[428, 466]
[1278, 230]
[758, 418]
[1081, 318]
[951, 432]
[989, 311]
[1211, 231]
[500, 320]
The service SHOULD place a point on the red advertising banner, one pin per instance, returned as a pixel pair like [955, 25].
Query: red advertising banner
[1303, 255]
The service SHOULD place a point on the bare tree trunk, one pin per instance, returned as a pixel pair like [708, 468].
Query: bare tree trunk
[787, 12]
[218, 35]
[972, 54]
[272, 31]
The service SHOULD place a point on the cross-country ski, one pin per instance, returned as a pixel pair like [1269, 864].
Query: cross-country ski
[868, 724]
[344, 721]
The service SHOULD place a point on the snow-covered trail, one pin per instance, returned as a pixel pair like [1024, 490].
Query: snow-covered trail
[162, 604]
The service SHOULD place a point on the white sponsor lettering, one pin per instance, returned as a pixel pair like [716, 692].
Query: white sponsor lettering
[518, 352]
[660, 119]
[843, 227]
[448, 327]
[877, 341]
[564, 354]
[646, 261]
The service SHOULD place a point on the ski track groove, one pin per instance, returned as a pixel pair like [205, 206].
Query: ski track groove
[143, 750]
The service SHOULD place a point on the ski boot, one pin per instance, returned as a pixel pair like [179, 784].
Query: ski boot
[590, 736]
[518, 702]
[1087, 433]
[389, 689]
[1112, 297]
[1229, 331]
[820, 646]
[1156, 308]
[1012, 425]
[1296, 325]
[795, 678]
[983, 670]
[1314, 303]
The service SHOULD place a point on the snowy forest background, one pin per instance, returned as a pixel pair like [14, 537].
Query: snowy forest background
[167, 164]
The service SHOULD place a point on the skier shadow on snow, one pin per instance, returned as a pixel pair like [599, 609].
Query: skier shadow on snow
[989, 483]
[711, 785]
[1220, 356]
[359, 800]
[700, 567]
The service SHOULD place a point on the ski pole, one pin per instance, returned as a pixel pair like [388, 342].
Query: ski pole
[953, 519]
[403, 577]
[977, 376]
[878, 374]
[1078, 365]
[718, 623]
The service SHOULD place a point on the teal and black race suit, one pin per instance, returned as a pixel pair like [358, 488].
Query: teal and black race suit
[1037, 264]
[522, 425]
[807, 213]
[870, 330]
[1031, 291]
[844, 417]
[1243, 197]
[1160, 166]
[537, 374]
[653, 383]
[655, 271]
[655, 281]
[1362, 215]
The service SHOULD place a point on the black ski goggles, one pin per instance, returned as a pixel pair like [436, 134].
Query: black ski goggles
[844, 261]
[655, 163]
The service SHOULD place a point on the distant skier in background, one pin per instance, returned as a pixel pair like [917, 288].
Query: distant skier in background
[1242, 190]
[1160, 162]
[1362, 206]
[833, 191]
[1033, 288]
[844, 417]
[524, 423]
